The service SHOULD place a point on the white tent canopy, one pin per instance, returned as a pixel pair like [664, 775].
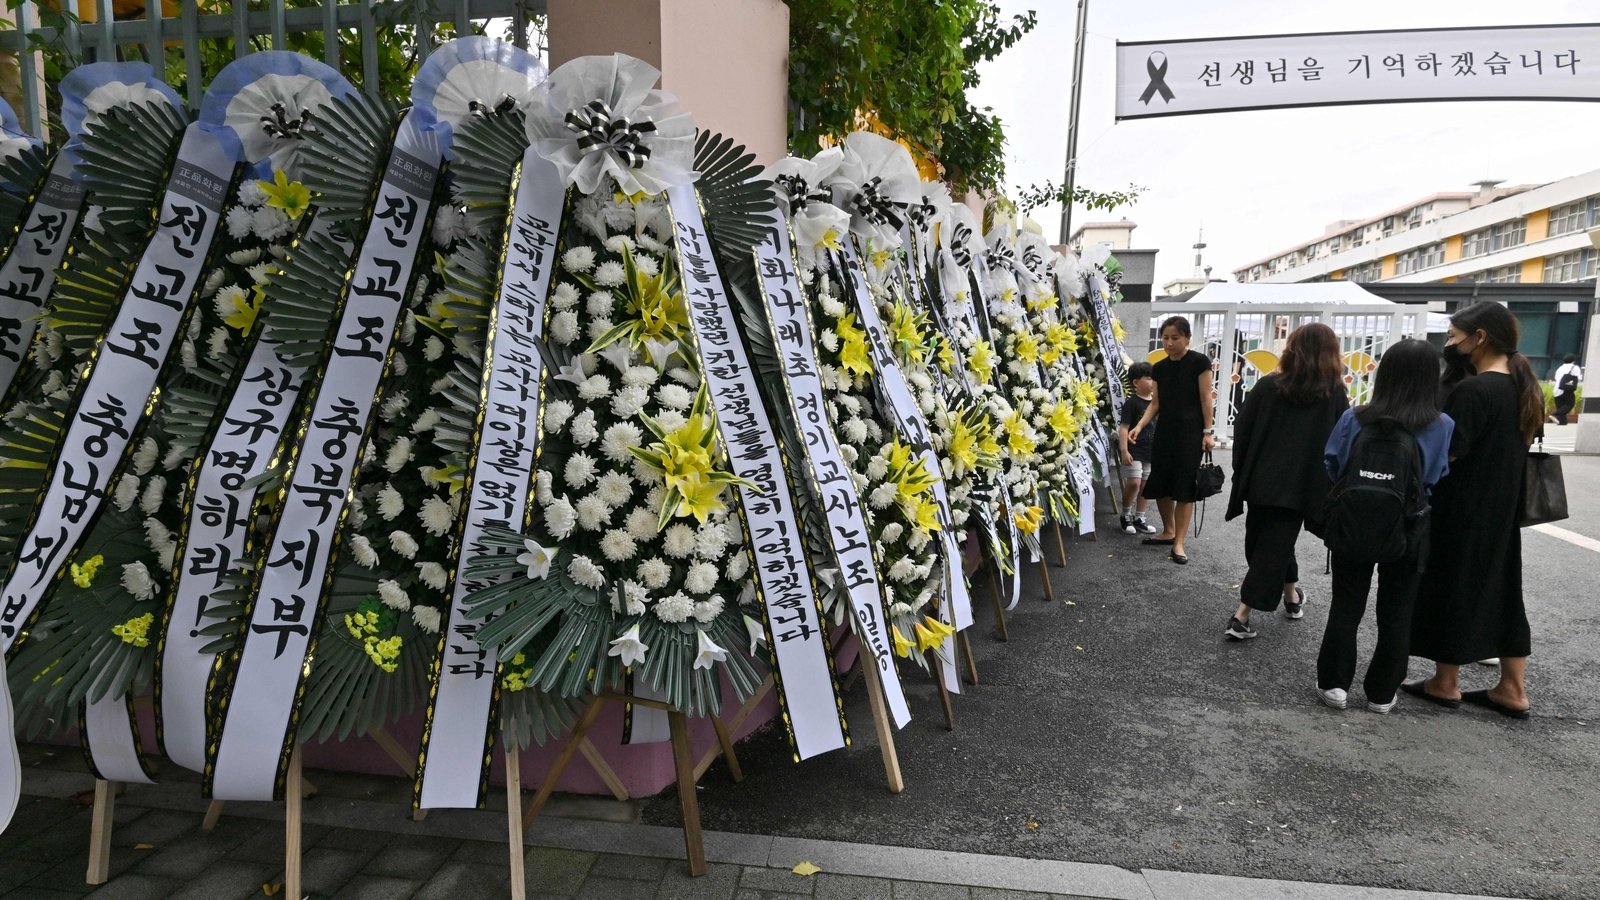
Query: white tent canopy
[1331, 293]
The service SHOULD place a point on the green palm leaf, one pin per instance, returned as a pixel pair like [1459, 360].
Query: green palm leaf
[126, 158]
[487, 149]
[734, 192]
[350, 145]
[21, 174]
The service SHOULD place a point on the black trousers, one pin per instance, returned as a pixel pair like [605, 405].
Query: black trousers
[1269, 536]
[1564, 404]
[1397, 595]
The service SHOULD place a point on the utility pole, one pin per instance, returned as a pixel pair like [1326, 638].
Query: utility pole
[1071, 175]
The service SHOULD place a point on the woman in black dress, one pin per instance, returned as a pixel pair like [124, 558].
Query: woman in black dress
[1470, 603]
[1183, 401]
[1278, 442]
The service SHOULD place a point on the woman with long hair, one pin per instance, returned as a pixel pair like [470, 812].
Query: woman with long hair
[1278, 439]
[1183, 401]
[1470, 603]
[1405, 398]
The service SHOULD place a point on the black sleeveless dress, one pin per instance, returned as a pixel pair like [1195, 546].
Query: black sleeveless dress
[1175, 460]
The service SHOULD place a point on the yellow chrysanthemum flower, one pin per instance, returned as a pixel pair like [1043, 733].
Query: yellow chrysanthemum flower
[135, 631]
[853, 346]
[83, 575]
[1020, 439]
[1027, 348]
[981, 362]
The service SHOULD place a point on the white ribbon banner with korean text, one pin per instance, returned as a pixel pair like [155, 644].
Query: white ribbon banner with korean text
[454, 762]
[841, 504]
[1181, 77]
[258, 727]
[113, 398]
[799, 632]
[30, 270]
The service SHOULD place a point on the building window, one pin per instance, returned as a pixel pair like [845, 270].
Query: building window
[1511, 274]
[1421, 258]
[1367, 272]
[1432, 255]
[1475, 244]
[1565, 267]
[1507, 234]
[1569, 218]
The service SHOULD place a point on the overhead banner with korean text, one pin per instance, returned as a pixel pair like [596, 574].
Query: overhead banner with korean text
[1183, 77]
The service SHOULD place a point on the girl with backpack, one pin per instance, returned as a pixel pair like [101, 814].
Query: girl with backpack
[1183, 402]
[1278, 441]
[1383, 457]
[1470, 605]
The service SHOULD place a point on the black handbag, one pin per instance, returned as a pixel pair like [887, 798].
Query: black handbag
[1208, 480]
[1544, 490]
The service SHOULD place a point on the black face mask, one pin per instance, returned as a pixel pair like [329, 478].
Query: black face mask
[1454, 356]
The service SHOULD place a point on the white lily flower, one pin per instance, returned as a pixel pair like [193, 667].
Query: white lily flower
[629, 648]
[709, 652]
[758, 635]
[660, 352]
[576, 371]
[537, 558]
[620, 355]
[602, 121]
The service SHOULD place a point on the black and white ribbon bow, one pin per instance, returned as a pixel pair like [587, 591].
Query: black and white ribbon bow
[280, 125]
[1033, 259]
[870, 204]
[800, 192]
[961, 245]
[1002, 254]
[598, 130]
[483, 110]
[922, 213]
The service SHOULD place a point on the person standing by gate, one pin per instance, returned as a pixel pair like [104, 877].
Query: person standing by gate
[1567, 379]
[1183, 400]
[1470, 605]
[1278, 440]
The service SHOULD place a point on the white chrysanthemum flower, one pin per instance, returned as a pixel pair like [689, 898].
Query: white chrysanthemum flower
[583, 431]
[708, 609]
[392, 595]
[228, 300]
[127, 492]
[542, 484]
[643, 376]
[270, 223]
[155, 490]
[618, 439]
[593, 513]
[614, 489]
[849, 453]
[671, 419]
[831, 305]
[674, 396]
[251, 194]
[394, 405]
[583, 571]
[390, 503]
[433, 575]
[641, 523]
[902, 571]
[685, 376]
[891, 532]
[437, 516]
[620, 242]
[145, 458]
[403, 543]
[618, 545]
[559, 518]
[136, 580]
[830, 340]
[655, 572]
[674, 609]
[565, 295]
[883, 495]
[399, 454]
[711, 541]
[238, 222]
[598, 327]
[579, 470]
[556, 414]
[432, 348]
[853, 431]
[610, 274]
[629, 402]
[594, 388]
[678, 541]
[217, 343]
[578, 259]
[361, 551]
[600, 303]
[877, 467]
[701, 579]
[634, 598]
[564, 326]
[426, 617]
[647, 265]
[919, 538]
[426, 421]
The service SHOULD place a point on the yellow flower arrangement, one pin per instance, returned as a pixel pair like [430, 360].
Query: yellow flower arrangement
[853, 346]
[135, 631]
[290, 196]
[981, 361]
[83, 575]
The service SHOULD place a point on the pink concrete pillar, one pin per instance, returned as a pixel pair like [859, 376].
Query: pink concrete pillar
[727, 61]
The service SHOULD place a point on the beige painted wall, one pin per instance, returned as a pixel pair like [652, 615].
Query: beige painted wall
[727, 61]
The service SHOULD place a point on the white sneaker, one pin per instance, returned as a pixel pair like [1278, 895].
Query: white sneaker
[1334, 697]
[1382, 709]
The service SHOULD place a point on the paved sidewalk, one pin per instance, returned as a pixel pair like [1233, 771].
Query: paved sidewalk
[358, 843]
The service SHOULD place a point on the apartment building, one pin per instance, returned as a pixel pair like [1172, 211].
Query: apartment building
[1521, 234]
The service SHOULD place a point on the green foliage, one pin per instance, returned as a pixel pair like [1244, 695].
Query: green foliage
[908, 62]
[1037, 195]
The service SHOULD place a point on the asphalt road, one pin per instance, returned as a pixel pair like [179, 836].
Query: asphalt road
[1118, 727]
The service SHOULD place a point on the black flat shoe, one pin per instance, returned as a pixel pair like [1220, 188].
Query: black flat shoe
[1482, 698]
[1178, 558]
[1417, 689]
[1159, 542]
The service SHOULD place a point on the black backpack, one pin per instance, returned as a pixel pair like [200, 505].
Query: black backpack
[1377, 512]
[1569, 383]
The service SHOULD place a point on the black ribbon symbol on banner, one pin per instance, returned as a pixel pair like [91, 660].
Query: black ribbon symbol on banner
[1158, 79]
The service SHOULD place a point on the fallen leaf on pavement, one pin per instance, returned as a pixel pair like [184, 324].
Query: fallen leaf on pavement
[1033, 825]
[143, 846]
[807, 867]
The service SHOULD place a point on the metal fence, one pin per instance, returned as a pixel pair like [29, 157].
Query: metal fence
[150, 36]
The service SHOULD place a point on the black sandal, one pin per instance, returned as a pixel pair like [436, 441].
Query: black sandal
[1482, 698]
[1419, 690]
[1178, 558]
[1159, 542]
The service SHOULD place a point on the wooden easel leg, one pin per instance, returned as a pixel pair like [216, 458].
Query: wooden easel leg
[966, 650]
[725, 741]
[944, 692]
[603, 769]
[406, 761]
[519, 883]
[213, 813]
[683, 761]
[1061, 546]
[881, 723]
[292, 801]
[548, 787]
[100, 821]
[732, 726]
[1044, 576]
[999, 604]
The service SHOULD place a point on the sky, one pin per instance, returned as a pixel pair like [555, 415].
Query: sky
[1260, 182]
